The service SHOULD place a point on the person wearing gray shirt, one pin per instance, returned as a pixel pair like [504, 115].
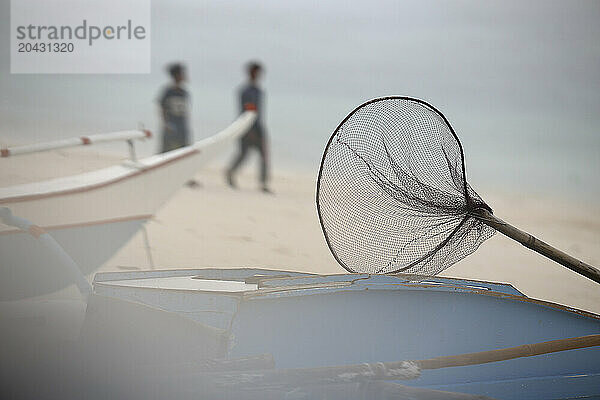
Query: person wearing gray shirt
[174, 105]
[251, 98]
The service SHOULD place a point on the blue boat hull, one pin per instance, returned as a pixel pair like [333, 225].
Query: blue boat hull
[306, 321]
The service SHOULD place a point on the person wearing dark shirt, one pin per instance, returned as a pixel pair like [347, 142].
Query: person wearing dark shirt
[251, 98]
[174, 105]
[174, 109]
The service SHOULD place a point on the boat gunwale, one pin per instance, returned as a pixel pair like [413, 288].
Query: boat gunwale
[263, 292]
[141, 217]
[117, 177]
[120, 172]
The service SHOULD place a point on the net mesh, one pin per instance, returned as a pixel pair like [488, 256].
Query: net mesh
[392, 195]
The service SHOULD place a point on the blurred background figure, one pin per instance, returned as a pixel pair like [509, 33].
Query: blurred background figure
[251, 98]
[174, 107]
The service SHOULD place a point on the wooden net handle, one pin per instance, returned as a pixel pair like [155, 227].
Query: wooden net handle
[537, 245]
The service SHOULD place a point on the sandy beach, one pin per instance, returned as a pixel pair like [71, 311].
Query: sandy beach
[216, 226]
[219, 227]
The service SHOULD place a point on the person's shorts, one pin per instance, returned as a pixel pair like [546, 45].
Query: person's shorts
[253, 138]
[174, 138]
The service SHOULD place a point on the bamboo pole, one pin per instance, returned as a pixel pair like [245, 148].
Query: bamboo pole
[537, 245]
[77, 141]
[509, 353]
[387, 371]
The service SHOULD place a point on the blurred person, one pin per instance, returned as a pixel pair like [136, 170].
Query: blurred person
[251, 98]
[174, 106]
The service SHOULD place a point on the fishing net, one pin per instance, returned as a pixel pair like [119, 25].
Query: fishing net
[392, 195]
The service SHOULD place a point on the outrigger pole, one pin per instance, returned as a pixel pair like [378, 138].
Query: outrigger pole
[128, 136]
[7, 217]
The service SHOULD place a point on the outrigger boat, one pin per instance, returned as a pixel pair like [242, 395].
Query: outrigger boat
[93, 215]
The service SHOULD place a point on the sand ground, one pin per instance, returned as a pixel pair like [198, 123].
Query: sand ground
[215, 226]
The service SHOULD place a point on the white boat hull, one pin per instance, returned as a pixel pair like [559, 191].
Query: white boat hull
[29, 268]
[93, 215]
